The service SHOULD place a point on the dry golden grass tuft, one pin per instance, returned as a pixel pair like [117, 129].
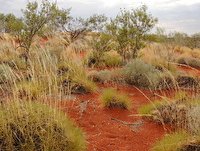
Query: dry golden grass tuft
[35, 126]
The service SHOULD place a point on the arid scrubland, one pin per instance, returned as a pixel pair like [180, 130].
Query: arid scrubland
[48, 58]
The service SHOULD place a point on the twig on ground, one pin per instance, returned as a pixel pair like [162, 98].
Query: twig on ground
[134, 125]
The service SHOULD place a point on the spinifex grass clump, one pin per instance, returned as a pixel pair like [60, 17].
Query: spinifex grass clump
[172, 142]
[113, 99]
[149, 108]
[29, 90]
[37, 127]
[73, 75]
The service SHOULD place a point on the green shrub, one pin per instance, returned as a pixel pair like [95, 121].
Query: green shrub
[117, 75]
[166, 81]
[101, 76]
[172, 142]
[36, 127]
[102, 59]
[113, 99]
[112, 59]
[95, 59]
[141, 74]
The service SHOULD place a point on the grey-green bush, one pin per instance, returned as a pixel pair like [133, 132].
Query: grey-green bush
[140, 74]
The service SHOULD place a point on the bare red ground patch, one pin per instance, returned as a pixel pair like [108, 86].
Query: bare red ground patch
[105, 134]
[190, 70]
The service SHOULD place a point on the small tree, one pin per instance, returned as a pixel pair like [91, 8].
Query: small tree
[76, 28]
[100, 44]
[130, 28]
[35, 19]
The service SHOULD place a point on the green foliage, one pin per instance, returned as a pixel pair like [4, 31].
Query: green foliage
[100, 44]
[34, 126]
[35, 18]
[182, 39]
[10, 23]
[141, 74]
[130, 28]
[112, 59]
[172, 142]
[112, 99]
[159, 37]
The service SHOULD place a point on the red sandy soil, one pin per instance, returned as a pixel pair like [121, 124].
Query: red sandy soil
[190, 70]
[105, 134]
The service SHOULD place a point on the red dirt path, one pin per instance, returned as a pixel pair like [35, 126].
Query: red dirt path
[104, 134]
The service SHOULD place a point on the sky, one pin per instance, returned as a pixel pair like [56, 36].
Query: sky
[173, 15]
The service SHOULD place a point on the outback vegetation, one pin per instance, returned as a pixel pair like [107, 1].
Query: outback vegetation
[70, 83]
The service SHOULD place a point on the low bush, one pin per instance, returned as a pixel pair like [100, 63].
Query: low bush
[95, 59]
[181, 111]
[173, 113]
[104, 76]
[37, 127]
[102, 59]
[190, 61]
[112, 59]
[186, 81]
[141, 74]
[117, 75]
[113, 99]
[167, 81]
